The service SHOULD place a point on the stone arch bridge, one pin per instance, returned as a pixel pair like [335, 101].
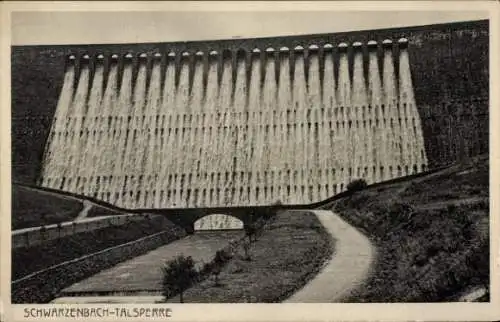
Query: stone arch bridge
[186, 218]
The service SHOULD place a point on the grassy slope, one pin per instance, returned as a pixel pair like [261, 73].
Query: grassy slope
[27, 260]
[431, 233]
[290, 251]
[35, 208]
[31, 208]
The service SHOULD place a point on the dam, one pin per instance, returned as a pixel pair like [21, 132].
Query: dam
[290, 121]
[275, 136]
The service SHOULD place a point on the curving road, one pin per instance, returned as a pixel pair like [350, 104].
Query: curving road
[348, 268]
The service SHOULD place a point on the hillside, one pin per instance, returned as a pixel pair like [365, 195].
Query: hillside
[431, 234]
[74, 246]
[36, 207]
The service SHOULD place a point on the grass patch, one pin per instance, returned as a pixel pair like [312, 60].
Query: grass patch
[288, 252]
[425, 254]
[31, 259]
[32, 208]
[98, 211]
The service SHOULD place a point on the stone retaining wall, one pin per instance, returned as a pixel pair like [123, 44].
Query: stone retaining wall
[38, 235]
[43, 286]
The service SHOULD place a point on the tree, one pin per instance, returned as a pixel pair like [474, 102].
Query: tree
[278, 203]
[221, 257]
[259, 227]
[357, 185]
[178, 275]
[246, 248]
[250, 230]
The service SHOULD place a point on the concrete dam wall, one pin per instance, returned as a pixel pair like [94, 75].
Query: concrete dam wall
[182, 125]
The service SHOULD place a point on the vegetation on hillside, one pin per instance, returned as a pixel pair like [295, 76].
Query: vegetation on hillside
[178, 275]
[27, 260]
[356, 185]
[32, 208]
[431, 234]
[98, 211]
[215, 267]
[289, 251]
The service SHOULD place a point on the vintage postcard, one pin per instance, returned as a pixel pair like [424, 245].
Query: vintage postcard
[249, 161]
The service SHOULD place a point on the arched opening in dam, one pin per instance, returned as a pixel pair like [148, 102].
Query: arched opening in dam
[218, 222]
[234, 127]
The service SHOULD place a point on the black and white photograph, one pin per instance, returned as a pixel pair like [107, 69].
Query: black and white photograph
[165, 157]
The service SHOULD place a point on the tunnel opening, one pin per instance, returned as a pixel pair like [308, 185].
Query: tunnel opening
[218, 222]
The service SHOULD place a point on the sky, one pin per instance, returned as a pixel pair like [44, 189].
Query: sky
[44, 28]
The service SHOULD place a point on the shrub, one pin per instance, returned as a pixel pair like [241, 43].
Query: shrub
[451, 208]
[220, 259]
[206, 268]
[246, 249]
[414, 188]
[250, 230]
[277, 203]
[358, 200]
[478, 261]
[400, 208]
[357, 185]
[178, 275]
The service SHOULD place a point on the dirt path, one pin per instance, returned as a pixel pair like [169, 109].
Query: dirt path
[86, 208]
[348, 268]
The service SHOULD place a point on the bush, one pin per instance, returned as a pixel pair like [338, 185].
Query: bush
[220, 259]
[178, 275]
[414, 188]
[246, 249]
[452, 209]
[358, 200]
[357, 185]
[400, 208]
[250, 230]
